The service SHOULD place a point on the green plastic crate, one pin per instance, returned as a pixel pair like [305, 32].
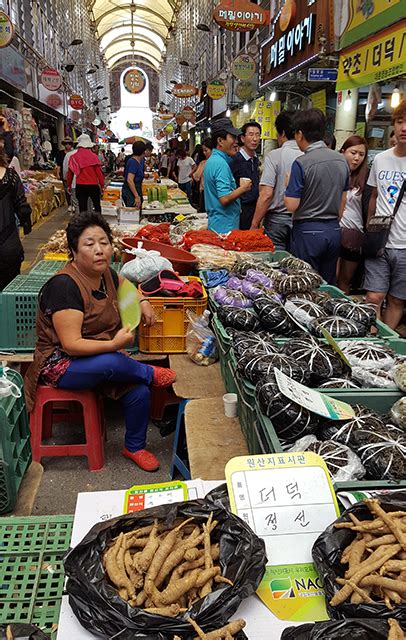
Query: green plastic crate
[15, 447]
[31, 569]
[18, 310]
[48, 267]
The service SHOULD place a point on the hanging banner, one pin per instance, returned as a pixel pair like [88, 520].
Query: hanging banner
[134, 81]
[76, 102]
[51, 79]
[271, 111]
[318, 99]
[380, 57]
[240, 15]
[243, 67]
[166, 115]
[6, 30]
[216, 90]
[358, 20]
[244, 89]
[181, 90]
[258, 113]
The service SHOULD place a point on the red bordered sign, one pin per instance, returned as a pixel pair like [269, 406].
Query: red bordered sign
[76, 102]
[51, 79]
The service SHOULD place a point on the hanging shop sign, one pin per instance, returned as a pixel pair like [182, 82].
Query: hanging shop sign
[134, 125]
[216, 90]
[294, 42]
[74, 116]
[319, 74]
[51, 79]
[169, 128]
[243, 67]
[319, 100]
[378, 58]
[76, 102]
[244, 90]
[359, 20]
[166, 115]
[270, 112]
[188, 113]
[134, 81]
[240, 15]
[181, 90]
[54, 101]
[6, 30]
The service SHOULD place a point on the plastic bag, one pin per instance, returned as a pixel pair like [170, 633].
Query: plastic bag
[100, 609]
[327, 551]
[261, 366]
[360, 312]
[241, 319]
[342, 463]
[231, 298]
[368, 355]
[252, 343]
[19, 631]
[399, 375]
[304, 310]
[297, 282]
[341, 630]
[398, 412]
[273, 316]
[200, 340]
[295, 264]
[145, 265]
[338, 327]
[320, 359]
[378, 379]
[339, 383]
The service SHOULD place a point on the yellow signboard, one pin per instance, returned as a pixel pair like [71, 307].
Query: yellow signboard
[271, 110]
[318, 99]
[381, 57]
[216, 90]
[362, 19]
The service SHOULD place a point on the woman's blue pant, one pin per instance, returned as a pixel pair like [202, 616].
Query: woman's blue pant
[93, 371]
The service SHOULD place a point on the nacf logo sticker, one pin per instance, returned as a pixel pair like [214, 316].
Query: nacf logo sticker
[282, 589]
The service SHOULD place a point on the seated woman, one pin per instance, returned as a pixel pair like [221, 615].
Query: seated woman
[80, 338]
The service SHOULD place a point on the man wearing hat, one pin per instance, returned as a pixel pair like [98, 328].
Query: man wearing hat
[67, 144]
[222, 196]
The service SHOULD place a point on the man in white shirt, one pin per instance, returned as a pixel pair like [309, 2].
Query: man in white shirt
[386, 276]
[185, 170]
[73, 200]
[164, 164]
[277, 165]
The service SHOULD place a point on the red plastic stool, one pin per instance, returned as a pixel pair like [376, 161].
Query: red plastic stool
[42, 418]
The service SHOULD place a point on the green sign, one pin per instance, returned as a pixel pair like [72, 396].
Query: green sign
[362, 18]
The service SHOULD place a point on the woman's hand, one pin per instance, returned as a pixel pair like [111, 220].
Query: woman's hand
[147, 313]
[137, 203]
[123, 338]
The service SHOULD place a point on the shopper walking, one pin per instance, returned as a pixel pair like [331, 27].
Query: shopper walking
[163, 165]
[186, 166]
[385, 276]
[316, 195]
[67, 144]
[134, 176]
[246, 165]
[12, 203]
[74, 205]
[198, 177]
[221, 194]
[86, 167]
[355, 151]
[277, 167]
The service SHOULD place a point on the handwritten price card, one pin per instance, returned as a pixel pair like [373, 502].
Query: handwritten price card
[288, 500]
[145, 496]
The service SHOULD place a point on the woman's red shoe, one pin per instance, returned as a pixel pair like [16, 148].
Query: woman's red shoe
[143, 458]
[163, 377]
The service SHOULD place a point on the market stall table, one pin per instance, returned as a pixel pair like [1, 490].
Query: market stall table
[192, 382]
[212, 439]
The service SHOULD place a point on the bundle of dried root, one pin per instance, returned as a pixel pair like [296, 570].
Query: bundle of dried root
[165, 571]
[395, 630]
[376, 559]
[224, 633]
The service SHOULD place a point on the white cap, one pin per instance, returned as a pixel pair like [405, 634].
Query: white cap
[85, 141]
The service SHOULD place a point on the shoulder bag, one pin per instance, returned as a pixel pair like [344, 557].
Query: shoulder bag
[378, 230]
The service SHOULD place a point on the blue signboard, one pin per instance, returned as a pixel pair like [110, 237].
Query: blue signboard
[322, 75]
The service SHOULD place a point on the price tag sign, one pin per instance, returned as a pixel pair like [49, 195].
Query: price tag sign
[312, 400]
[275, 495]
[144, 496]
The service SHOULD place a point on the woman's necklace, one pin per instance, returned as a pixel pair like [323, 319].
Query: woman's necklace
[102, 287]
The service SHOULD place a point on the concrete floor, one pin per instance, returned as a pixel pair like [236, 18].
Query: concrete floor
[65, 477]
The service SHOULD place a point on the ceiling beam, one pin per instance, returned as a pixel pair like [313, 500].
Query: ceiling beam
[128, 7]
[128, 38]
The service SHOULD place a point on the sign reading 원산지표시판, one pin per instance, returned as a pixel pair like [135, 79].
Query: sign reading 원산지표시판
[380, 57]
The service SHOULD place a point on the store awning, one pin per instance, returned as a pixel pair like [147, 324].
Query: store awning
[139, 28]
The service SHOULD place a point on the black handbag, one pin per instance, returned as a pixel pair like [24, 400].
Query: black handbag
[378, 230]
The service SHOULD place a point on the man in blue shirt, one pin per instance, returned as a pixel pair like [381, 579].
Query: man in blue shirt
[316, 195]
[221, 194]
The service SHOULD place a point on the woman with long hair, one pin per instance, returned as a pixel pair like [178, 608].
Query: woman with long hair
[355, 151]
[13, 203]
[198, 174]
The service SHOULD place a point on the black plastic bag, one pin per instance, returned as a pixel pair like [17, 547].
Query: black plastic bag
[327, 551]
[273, 316]
[258, 367]
[98, 606]
[338, 327]
[320, 359]
[343, 630]
[22, 632]
[241, 319]
[363, 313]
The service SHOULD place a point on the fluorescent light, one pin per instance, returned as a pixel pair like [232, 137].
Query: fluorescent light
[228, 112]
[246, 107]
[348, 102]
[395, 99]
[272, 97]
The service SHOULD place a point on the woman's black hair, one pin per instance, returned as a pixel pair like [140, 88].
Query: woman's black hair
[208, 143]
[139, 148]
[79, 222]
